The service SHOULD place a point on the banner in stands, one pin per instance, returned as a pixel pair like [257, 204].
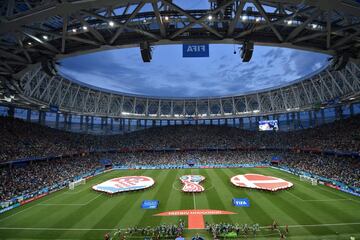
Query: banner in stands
[195, 50]
[124, 184]
[9, 208]
[105, 162]
[241, 202]
[33, 198]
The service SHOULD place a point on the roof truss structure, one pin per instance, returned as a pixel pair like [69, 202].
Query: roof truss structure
[34, 30]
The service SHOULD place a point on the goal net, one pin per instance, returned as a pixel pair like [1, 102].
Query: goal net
[74, 184]
[311, 180]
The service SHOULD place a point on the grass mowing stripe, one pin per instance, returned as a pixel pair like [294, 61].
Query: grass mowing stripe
[326, 192]
[304, 190]
[306, 213]
[257, 213]
[163, 194]
[94, 213]
[220, 197]
[202, 201]
[115, 206]
[269, 202]
[143, 217]
[187, 201]
[336, 209]
[17, 212]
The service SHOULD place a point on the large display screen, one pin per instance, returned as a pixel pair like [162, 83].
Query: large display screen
[269, 125]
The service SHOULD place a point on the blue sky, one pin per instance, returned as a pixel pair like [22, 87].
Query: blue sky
[169, 74]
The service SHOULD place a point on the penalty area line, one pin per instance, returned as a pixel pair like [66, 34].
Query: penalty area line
[44, 203]
[318, 200]
[69, 204]
[1, 220]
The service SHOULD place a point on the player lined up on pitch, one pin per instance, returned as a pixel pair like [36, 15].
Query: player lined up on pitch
[228, 230]
[163, 231]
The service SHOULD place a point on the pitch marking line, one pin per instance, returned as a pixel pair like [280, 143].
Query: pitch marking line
[324, 188]
[1, 220]
[318, 200]
[295, 196]
[114, 229]
[49, 204]
[194, 200]
[69, 204]
[74, 192]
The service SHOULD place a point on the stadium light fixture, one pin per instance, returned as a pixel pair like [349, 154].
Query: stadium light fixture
[29, 43]
[111, 24]
[144, 21]
[210, 17]
[244, 17]
[9, 98]
[166, 18]
[85, 28]
[45, 37]
[74, 30]
[258, 19]
[289, 22]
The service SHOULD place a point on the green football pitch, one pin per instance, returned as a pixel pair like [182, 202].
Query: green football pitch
[311, 212]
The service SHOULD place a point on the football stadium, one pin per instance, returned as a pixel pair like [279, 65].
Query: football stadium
[179, 119]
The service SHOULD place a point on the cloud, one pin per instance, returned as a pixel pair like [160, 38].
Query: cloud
[171, 75]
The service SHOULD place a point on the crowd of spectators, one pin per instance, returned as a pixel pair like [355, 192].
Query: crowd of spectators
[21, 139]
[346, 170]
[31, 177]
[182, 158]
[20, 179]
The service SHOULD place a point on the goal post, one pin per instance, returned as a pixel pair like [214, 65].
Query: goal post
[76, 183]
[304, 178]
[314, 181]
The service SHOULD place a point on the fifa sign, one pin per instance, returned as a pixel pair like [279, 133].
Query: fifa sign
[241, 202]
[195, 50]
